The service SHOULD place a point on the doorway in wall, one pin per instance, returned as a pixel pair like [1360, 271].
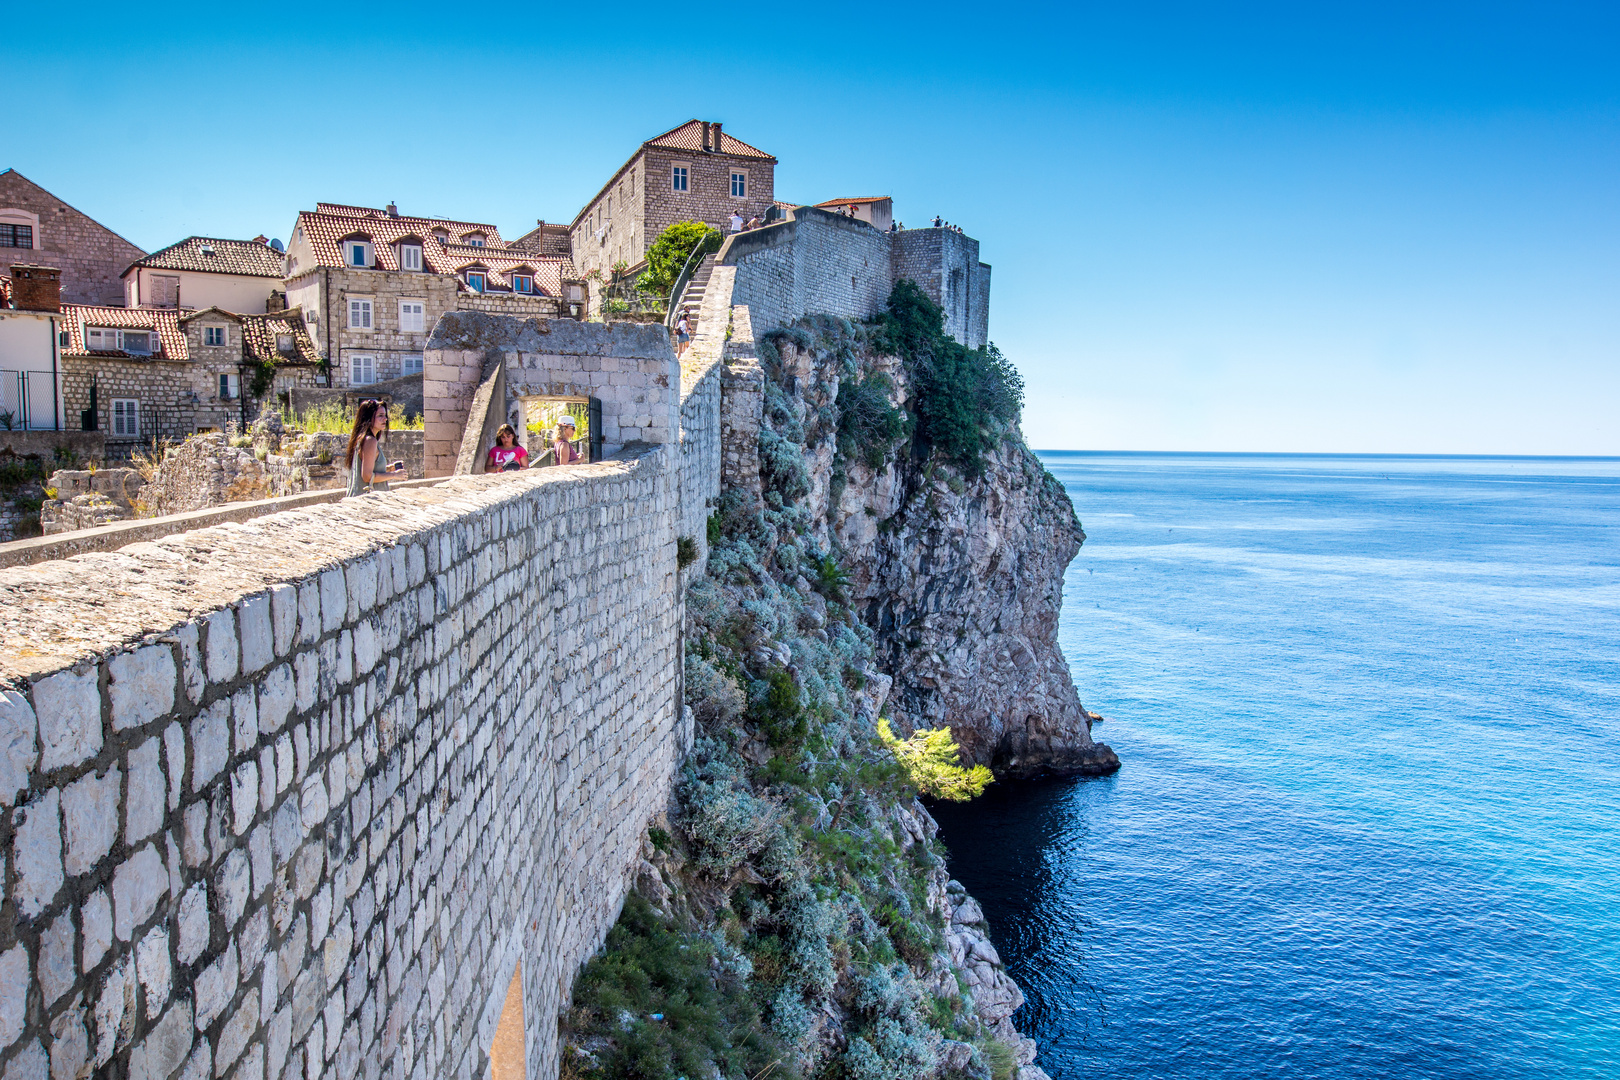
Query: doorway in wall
[542, 424]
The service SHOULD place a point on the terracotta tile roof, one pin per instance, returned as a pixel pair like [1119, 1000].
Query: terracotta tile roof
[212, 255]
[689, 136]
[858, 199]
[259, 333]
[499, 268]
[326, 229]
[166, 321]
[547, 239]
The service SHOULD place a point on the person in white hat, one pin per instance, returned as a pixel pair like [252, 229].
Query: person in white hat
[563, 449]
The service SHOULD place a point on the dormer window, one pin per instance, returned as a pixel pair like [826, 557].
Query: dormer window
[107, 339]
[475, 280]
[357, 253]
[410, 256]
[523, 283]
[473, 239]
[213, 335]
[442, 237]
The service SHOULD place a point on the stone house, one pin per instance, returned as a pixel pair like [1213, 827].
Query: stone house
[876, 210]
[30, 367]
[204, 271]
[694, 172]
[373, 283]
[139, 374]
[38, 228]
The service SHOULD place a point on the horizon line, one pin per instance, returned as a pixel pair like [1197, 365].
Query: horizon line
[1334, 454]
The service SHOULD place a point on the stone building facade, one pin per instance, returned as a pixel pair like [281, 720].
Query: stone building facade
[36, 227]
[206, 271]
[373, 283]
[165, 374]
[694, 172]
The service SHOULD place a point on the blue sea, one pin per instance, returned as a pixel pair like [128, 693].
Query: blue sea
[1368, 823]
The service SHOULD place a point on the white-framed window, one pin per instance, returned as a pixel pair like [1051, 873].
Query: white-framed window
[362, 370]
[522, 283]
[473, 239]
[107, 339]
[410, 363]
[739, 185]
[126, 417]
[677, 178]
[410, 256]
[357, 252]
[213, 335]
[412, 316]
[230, 386]
[359, 314]
[475, 280]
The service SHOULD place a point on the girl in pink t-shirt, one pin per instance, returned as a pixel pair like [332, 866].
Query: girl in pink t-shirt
[506, 453]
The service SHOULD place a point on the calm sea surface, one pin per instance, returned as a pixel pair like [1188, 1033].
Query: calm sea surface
[1368, 823]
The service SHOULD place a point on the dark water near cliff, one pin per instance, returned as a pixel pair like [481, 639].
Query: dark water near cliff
[1369, 819]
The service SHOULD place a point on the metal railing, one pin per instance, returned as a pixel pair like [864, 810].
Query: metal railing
[27, 401]
[711, 242]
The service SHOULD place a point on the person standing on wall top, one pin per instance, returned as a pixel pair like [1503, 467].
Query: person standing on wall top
[506, 454]
[683, 334]
[936, 221]
[563, 449]
[370, 425]
[736, 220]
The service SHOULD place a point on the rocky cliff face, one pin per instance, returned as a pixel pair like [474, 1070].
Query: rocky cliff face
[961, 578]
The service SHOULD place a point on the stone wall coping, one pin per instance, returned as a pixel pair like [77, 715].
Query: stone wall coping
[58, 613]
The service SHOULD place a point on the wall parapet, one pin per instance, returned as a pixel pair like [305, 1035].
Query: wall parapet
[306, 791]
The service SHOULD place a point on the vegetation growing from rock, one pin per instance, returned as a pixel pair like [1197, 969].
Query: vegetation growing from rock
[966, 400]
[669, 251]
[930, 758]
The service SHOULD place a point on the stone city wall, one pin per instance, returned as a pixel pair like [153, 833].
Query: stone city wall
[946, 265]
[817, 262]
[299, 799]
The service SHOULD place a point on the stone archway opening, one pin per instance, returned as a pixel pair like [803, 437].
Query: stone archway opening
[540, 424]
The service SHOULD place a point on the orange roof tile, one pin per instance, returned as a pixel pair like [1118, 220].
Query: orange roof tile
[326, 229]
[259, 333]
[212, 255]
[689, 136]
[858, 199]
[166, 321]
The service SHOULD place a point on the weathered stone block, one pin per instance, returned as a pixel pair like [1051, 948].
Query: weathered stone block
[36, 853]
[138, 884]
[154, 970]
[215, 986]
[148, 789]
[210, 743]
[14, 1002]
[257, 635]
[18, 745]
[222, 654]
[95, 918]
[142, 686]
[90, 818]
[68, 706]
[238, 1030]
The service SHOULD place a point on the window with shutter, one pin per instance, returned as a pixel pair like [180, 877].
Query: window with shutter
[362, 370]
[360, 314]
[412, 316]
[126, 417]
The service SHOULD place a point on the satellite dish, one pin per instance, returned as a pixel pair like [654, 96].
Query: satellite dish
[275, 245]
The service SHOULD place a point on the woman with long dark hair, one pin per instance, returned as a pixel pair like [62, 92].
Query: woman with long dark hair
[370, 426]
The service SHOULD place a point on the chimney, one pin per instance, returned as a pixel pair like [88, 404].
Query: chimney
[393, 211]
[714, 132]
[705, 134]
[36, 288]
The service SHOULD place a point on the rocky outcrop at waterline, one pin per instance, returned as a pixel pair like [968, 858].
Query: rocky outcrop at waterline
[960, 576]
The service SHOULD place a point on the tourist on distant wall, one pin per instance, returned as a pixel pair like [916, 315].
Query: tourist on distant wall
[736, 220]
[370, 426]
[683, 333]
[936, 221]
[563, 449]
[506, 455]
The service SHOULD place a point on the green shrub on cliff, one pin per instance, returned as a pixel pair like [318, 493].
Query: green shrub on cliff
[964, 399]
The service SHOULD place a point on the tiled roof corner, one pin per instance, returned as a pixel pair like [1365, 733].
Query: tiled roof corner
[166, 321]
[207, 254]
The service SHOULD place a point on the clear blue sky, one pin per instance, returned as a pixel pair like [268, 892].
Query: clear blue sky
[1366, 227]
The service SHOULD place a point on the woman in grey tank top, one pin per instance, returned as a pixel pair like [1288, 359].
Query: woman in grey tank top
[370, 426]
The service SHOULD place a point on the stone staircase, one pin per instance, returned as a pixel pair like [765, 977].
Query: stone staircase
[692, 296]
